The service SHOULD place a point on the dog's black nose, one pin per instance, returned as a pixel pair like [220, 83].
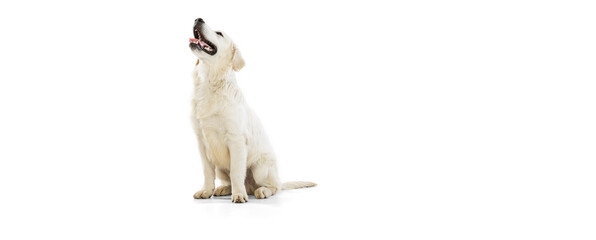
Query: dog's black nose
[199, 20]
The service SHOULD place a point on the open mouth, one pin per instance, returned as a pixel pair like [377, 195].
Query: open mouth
[201, 43]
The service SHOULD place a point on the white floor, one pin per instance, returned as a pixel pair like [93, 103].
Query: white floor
[325, 211]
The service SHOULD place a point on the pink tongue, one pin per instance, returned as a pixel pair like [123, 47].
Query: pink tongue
[197, 41]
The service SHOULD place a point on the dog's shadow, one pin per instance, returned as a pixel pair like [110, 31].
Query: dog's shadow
[272, 201]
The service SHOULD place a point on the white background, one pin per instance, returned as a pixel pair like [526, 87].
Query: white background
[418, 119]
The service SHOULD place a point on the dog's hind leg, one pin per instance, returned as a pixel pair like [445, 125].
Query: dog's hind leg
[226, 186]
[266, 179]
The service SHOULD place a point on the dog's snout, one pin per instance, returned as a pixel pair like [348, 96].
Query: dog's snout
[199, 20]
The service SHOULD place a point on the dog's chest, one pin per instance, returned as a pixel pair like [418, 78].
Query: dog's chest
[209, 111]
[215, 145]
[207, 103]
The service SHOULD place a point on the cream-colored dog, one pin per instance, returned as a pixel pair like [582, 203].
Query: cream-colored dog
[232, 141]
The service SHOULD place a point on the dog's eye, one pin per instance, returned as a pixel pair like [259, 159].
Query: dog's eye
[219, 33]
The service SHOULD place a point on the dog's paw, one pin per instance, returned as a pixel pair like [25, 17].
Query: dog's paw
[262, 192]
[223, 190]
[203, 194]
[239, 197]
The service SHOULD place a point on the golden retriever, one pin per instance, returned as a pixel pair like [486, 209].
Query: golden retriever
[232, 142]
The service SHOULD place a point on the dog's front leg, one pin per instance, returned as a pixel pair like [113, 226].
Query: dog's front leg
[208, 173]
[238, 155]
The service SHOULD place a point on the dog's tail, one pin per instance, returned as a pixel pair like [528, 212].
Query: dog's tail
[297, 184]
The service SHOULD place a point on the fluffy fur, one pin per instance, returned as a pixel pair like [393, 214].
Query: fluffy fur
[232, 142]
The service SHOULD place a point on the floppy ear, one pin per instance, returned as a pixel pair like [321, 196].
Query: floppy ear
[238, 61]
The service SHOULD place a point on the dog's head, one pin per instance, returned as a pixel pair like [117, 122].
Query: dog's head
[214, 47]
